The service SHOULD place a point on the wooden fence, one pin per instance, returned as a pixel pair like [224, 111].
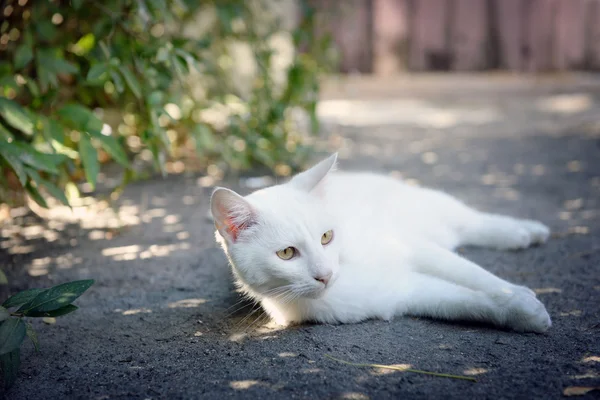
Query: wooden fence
[389, 36]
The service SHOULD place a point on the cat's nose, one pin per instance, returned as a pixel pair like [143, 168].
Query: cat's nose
[324, 279]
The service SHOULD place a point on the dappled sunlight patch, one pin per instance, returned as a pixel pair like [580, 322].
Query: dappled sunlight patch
[354, 396]
[587, 375]
[182, 235]
[574, 204]
[269, 327]
[171, 219]
[243, 385]
[572, 313]
[21, 249]
[206, 181]
[311, 370]
[475, 371]
[133, 252]
[547, 290]
[238, 337]
[39, 266]
[386, 371]
[591, 359]
[163, 250]
[574, 166]
[506, 193]
[579, 390]
[188, 200]
[566, 103]
[187, 303]
[362, 113]
[113, 251]
[134, 311]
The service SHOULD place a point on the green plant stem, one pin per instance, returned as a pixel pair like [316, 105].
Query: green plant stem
[417, 371]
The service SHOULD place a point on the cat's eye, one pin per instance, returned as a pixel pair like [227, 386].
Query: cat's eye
[286, 253]
[326, 238]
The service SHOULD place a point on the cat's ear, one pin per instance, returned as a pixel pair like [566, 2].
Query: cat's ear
[309, 179]
[231, 212]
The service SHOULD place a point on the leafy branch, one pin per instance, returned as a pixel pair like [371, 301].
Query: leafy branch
[34, 303]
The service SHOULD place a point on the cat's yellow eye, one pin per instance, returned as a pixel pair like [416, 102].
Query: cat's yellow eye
[326, 238]
[286, 253]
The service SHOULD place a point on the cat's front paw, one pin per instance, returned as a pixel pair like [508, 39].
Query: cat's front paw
[524, 312]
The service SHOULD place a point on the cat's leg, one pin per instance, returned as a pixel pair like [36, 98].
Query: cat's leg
[499, 231]
[517, 306]
[437, 298]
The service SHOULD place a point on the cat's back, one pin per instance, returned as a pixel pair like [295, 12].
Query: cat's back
[358, 187]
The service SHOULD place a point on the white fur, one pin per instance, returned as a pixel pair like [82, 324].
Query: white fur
[391, 253]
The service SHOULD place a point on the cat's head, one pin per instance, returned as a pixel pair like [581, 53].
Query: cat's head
[281, 241]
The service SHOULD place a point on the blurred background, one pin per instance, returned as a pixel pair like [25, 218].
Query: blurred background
[118, 118]
[229, 86]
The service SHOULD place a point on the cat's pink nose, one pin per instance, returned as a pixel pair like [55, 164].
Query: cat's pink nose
[324, 279]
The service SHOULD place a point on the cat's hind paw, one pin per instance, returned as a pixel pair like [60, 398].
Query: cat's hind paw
[522, 234]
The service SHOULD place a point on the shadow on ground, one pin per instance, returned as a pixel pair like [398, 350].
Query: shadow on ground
[164, 320]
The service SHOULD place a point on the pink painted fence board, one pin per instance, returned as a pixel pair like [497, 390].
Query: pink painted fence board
[390, 26]
[428, 39]
[388, 36]
[569, 45]
[539, 35]
[594, 35]
[469, 35]
[509, 20]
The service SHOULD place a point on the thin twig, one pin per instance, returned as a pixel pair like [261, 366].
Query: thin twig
[417, 371]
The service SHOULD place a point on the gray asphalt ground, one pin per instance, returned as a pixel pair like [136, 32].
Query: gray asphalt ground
[163, 320]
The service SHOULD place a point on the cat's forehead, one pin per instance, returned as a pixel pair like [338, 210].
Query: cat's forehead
[282, 203]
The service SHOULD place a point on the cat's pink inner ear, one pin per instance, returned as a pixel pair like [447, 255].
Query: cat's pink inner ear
[231, 212]
[233, 226]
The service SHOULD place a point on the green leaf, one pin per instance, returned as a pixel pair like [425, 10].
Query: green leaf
[3, 279]
[89, 158]
[12, 333]
[33, 88]
[49, 58]
[132, 81]
[46, 30]
[16, 116]
[62, 66]
[84, 45]
[30, 156]
[10, 363]
[55, 191]
[22, 297]
[80, 117]
[57, 297]
[116, 79]
[5, 134]
[4, 314]
[32, 336]
[46, 77]
[77, 4]
[54, 313]
[16, 165]
[23, 56]
[97, 73]
[35, 195]
[112, 147]
[55, 131]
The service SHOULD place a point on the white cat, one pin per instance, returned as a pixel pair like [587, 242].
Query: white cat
[338, 247]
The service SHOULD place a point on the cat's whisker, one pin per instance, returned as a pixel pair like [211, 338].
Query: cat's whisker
[252, 312]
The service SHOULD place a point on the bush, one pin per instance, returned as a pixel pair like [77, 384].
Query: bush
[70, 64]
